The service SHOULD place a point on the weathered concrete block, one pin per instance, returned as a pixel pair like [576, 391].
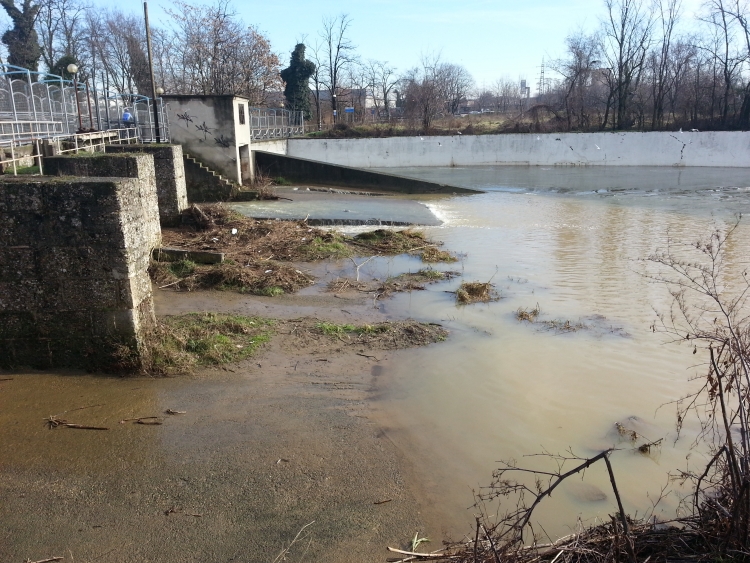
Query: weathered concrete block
[170, 178]
[74, 284]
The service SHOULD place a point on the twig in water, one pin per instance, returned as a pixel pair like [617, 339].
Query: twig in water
[53, 422]
[382, 501]
[367, 356]
[170, 411]
[48, 560]
[282, 555]
[149, 420]
[358, 266]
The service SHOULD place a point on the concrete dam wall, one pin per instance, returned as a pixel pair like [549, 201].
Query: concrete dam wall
[716, 148]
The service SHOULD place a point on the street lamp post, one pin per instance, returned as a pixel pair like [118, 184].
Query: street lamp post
[334, 109]
[73, 69]
[154, 89]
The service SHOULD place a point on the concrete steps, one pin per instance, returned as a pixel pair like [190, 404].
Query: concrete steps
[204, 184]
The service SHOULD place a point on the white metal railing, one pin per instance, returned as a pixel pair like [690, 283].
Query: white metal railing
[275, 123]
[27, 96]
[18, 151]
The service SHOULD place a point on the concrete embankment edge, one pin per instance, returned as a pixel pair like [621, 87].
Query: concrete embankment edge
[714, 148]
[300, 170]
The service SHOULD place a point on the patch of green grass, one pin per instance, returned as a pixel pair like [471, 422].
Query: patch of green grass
[431, 274]
[331, 328]
[182, 342]
[26, 170]
[281, 181]
[182, 268]
[272, 291]
[331, 245]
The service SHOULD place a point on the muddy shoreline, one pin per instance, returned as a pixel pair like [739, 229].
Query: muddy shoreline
[265, 447]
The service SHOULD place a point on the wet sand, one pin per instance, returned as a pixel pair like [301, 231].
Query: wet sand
[264, 448]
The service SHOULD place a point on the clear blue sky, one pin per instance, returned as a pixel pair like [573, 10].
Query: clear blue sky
[491, 38]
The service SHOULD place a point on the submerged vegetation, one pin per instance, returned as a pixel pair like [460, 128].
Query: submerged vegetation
[524, 314]
[476, 292]
[408, 281]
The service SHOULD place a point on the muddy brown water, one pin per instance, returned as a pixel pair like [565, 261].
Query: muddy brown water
[569, 240]
[422, 427]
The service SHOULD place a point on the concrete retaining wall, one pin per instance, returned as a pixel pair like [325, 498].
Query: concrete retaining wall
[74, 255]
[304, 171]
[720, 148]
[170, 178]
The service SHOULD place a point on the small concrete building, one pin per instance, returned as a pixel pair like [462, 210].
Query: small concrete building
[215, 130]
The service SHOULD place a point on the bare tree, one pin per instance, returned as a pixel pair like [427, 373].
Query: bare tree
[627, 37]
[338, 52]
[382, 79]
[723, 49]
[583, 53]
[216, 53]
[454, 82]
[669, 13]
[316, 79]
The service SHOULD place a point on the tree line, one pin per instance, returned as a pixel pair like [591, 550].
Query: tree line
[645, 67]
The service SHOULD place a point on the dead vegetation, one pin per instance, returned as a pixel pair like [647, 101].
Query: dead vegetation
[476, 292]
[306, 332]
[258, 252]
[558, 325]
[432, 254]
[409, 281]
[269, 278]
[528, 315]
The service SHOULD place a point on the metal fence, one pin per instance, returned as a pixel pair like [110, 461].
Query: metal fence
[43, 113]
[275, 123]
[39, 105]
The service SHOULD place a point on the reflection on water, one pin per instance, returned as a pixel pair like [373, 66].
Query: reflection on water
[501, 389]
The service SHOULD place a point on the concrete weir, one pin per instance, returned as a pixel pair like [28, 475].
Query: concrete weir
[74, 254]
[301, 170]
[631, 148]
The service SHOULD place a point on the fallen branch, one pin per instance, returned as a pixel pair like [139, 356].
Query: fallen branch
[368, 356]
[54, 422]
[423, 556]
[152, 420]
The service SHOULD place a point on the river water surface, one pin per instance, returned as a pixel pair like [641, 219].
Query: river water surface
[571, 241]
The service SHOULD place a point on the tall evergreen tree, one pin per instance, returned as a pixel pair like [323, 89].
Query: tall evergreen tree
[22, 39]
[296, 79]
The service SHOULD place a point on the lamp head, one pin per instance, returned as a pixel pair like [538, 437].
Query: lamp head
[159, 91]
[72, 68]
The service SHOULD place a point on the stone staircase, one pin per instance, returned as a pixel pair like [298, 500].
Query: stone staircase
[204, 184]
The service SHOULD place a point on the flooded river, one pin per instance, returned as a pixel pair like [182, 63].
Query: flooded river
[569, 240]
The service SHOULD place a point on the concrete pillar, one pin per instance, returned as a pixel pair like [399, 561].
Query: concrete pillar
[74, 284]
[170, 178]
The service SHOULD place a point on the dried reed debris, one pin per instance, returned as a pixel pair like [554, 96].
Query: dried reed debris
[257, 252]
[476, 292]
